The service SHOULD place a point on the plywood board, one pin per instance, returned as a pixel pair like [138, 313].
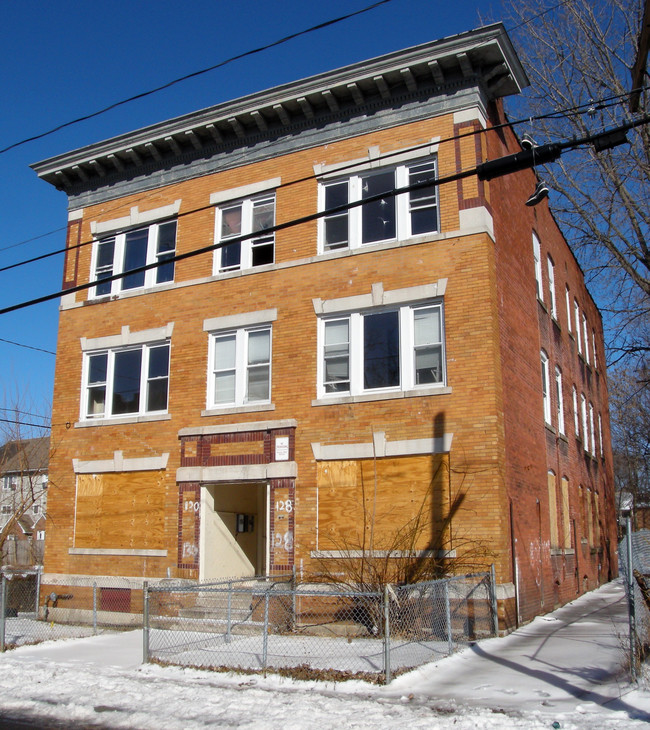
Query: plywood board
[120, 510]
[384, 496]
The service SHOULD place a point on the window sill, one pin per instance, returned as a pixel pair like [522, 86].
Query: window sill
[542, 305]
[550, 428]
[122, 421]
[563, 437]
[251, 408]
[562, 552]
[556, 323]
[392, 395]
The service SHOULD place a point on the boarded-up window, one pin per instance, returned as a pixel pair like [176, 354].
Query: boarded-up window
[566, 516]
[384, 497]
[120, 510]
[552, 510]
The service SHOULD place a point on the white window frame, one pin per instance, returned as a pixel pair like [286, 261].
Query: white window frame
[593, 347]
[600, 435]
[109, 383]
[537, 255]
[407, 349]
[546, 387]
[576, 309]
[241, 367]
[568, 308]
[40, 534]
[592, 441]
[249, 245]
[150, 277]
[576, 415]
[551, 287]
[559, 400]
[403, 202]
[585, 336]
[585, 423]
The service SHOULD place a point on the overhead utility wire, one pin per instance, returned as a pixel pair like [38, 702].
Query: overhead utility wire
[485, 171]
[22, 413]
[24, 423]
[29, 347]
[194, 74]
[557, 114]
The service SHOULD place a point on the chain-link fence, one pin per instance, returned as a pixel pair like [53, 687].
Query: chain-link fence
[32, 611]
[315, 630]
[634, 563]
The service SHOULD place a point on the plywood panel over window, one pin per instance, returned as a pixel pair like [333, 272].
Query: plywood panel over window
[397, 492]
[120, 510]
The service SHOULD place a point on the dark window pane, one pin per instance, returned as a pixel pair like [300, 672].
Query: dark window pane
[378, 217]
[126, 382]
[381, 350]
[157, 395]
[167, 237]
[97, 368]
[159, 361]
[104, 268]
[231, 256]
[262, 253]
[135, 255]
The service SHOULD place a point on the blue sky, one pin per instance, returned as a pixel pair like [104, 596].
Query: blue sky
[65, 59]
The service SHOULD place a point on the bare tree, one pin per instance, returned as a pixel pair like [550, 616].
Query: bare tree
[578, 55]
[24, 456]
[630, 415]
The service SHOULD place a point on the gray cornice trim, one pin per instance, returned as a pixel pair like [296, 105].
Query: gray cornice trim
[240, 473]
[379, 448]
[387, 81]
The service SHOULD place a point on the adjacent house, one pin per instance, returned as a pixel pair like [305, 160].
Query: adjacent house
[269, 359]
[23, 501]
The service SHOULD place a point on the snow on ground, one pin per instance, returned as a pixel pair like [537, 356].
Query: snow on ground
[563, 668]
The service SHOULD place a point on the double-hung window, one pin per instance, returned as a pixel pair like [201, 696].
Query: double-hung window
[537, 258]
[559, 400]
[385, 216]
[546, 390]
[128, 381]
[240, 367]
[551, 288]
[129, 250]
[388, 349]
[242, 229]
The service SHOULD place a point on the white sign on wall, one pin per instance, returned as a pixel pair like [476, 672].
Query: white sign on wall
[282, 448]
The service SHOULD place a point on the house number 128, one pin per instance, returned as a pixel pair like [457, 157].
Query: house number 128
[284, 506]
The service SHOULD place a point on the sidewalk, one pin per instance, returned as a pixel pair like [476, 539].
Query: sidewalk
[567, 667]
[574, 659]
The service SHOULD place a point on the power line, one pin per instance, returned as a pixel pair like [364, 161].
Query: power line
[556, 114]
[28, 347]
[24, 423]
[485, 171]
[194, 74]
[22, 413]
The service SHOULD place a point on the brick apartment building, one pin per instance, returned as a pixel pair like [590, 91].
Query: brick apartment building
[254, 408]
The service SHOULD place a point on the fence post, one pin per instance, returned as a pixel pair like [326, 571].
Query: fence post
[3, 611]
[145, 622]
[229, 616]
[450, 638]
[265, 640]
[38, 590]
[386, 635]
[493, 600]
[630, 598]
[293, 598]
[95, 609]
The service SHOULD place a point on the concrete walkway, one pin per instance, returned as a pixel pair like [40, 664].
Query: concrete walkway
[573, 659]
